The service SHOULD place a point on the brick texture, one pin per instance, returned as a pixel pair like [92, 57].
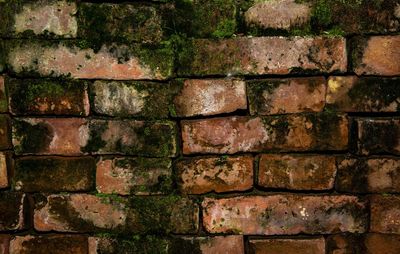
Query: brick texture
[289, 246]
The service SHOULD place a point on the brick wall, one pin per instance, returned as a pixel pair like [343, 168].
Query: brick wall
[200, 126]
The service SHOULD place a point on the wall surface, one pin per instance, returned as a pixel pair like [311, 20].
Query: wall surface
[200, 126]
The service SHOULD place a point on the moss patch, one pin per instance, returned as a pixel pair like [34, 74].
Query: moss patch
[32, 138]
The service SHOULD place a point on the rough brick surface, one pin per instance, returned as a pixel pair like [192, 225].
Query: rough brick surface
[12, 206]
[313, 172]
[288, 246]
[361, 175]
[3, 170]
[345, 243]
[133, 175]
[284, 214]
[5, 132]
[282, 96]
[54, 174]
[264, 55]
[245, 134]
[4, 243]
[385, 214]
[3, 97]
[219, 174]
[210, 97]
[366, 94]
[382, 243]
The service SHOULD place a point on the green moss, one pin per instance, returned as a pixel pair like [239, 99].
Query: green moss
[226, 28]
[33, 138]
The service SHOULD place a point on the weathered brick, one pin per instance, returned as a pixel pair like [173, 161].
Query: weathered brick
[143, 138]
[377, 55]
[345, 244]
[385, 214]
[232, 244]
[57, 244]
[40, 18]
[284, 215]
[4, 165]
[377, 136]
[78, 60]
[126, 176]
[220, 174]
[297, 172]
[362, 175]
[5, 132]
[89, 213]
[366, 94]
[142, 99]
[382, 243]
[4, 244]
[42, 97]
[281, 96]
[283, 14]
[3, 96]
[49, 135]
[120, 22]
[288, 246]
[54, 174]
[12, 207]
[230, 135]
[210, 97]
[263, 55]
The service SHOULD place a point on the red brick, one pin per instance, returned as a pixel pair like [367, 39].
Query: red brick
[3, 96]
[4, 244]
[210, 97]
[47, 97]
[366, 94]
[3, 171]
[297, 172]
[219, 174]
[246, 134]
[379, 175]
[377, 136]
[345, 244]
[109, 62]
[288, 246]
[12, 209]
[284, 14]
[57, 244]
[284, 215]
[54, 174]
[264, 55]
[64, 136]
[385, 214]
[138, 176]
[382, 243]
[377, 55]
[281, 96]
[5, 132]
[232, 244]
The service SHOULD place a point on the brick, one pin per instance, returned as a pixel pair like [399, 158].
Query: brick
[61, 136]
[3, 96]
[139, 176]
[89, 213]
[288, 246]
[377, 55]
[359, 175]
[232, 244]
[141, 99]
[345, 244]
[4, 165]
[284, 215]
[282, 96]
[5, 132]
[382, 243]
[248, 134]
[297, 172]
[47, 97]
[79, 60]
[366, 94]
[263, 55]
[120, 22]
[4, 243]
[210, 97]
[377, 136]
[385, 214]
[40, 18]
[220, 174]
[131, 137]
[57, 244]
[284, 14]
[12, 207]
[54, 174]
